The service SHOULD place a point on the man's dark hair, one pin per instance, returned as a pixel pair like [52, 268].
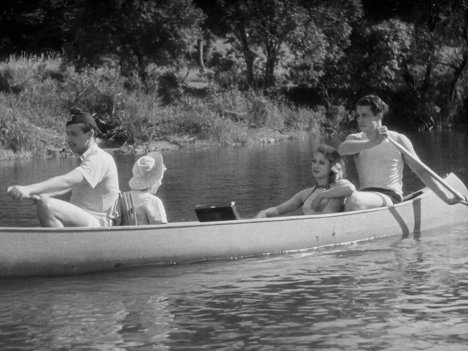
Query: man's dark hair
[84, 118]
[377, 105]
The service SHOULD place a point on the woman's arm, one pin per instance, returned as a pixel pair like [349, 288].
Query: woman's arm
[288, 206]
[341, 189]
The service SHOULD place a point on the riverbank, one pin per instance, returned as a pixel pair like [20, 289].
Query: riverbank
[36, 94]
[262, 136]
[57, 146]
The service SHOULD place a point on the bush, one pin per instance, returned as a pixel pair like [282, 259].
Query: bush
[169, 88]
[34, 113]
[13, 132]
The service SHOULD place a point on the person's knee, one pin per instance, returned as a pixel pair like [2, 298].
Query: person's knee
[363, 201]
[43, 204]
[45, 213]
[352, 203]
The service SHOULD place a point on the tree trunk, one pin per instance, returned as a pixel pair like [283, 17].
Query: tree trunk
[456, 77]
[201, 61]
[270, 65]
[142, 70]
[248, 55]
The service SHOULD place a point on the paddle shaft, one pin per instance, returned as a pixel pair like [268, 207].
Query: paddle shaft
[428, 170]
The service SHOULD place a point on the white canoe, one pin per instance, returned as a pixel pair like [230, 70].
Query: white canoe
[62, 251]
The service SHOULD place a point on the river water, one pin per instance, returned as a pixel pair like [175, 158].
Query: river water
[389, 294]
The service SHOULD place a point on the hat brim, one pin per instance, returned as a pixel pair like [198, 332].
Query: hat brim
[142, 183]
[153, 176]
[138, 183]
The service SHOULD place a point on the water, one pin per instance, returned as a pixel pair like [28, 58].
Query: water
[390, 294]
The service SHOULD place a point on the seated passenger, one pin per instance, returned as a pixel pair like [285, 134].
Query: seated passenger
[326, 196]
[147, 172]
[94, 184]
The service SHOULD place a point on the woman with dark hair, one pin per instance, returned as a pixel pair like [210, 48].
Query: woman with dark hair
[94, 184]
[326, 196]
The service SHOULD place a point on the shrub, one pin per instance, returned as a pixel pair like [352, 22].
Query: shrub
[33, 116]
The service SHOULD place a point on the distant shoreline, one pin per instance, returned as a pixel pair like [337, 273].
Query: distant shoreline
[257, 136]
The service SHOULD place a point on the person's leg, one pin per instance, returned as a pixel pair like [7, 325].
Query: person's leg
[363, 200]
[58, 213]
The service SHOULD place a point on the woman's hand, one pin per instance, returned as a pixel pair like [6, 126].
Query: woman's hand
[261, 214]
[269, 212]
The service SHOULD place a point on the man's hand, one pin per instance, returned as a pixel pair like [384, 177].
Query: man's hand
[381, 134]
[19, 192]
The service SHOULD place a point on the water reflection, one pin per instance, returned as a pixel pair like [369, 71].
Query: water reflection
[84, 314]
[382, 295]
[357, 299]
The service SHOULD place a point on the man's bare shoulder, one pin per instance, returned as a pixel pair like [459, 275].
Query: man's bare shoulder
[400, 138]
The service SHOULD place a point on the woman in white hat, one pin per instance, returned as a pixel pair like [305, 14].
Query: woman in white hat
[148, 172]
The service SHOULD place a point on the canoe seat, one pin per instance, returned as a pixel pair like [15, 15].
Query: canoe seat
[216, 213]
[127, 209]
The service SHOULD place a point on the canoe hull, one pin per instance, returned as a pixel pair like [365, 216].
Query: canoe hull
[51, 251]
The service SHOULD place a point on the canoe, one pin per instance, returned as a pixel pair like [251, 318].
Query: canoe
[62, 251]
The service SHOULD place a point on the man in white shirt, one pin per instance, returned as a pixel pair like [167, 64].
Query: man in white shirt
[94, 184]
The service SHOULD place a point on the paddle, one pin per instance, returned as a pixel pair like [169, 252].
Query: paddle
[461, 199]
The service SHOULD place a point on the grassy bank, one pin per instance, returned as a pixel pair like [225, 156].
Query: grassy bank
[37, 92]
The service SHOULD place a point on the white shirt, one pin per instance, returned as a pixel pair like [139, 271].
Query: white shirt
[100, 190]
[148, 207]
[380, 166]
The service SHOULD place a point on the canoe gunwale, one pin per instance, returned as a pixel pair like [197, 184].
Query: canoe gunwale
[423, 193]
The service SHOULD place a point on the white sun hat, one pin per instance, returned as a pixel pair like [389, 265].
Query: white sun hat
[147, 171]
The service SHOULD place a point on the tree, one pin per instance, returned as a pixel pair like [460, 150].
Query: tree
[438, 56]
[377, 56]
[259, 29]
[28, 26]
[323, 46]
[287, 34]
[455, 27]
[136, 32]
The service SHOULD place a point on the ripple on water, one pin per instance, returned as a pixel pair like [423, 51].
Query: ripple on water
[382, 295]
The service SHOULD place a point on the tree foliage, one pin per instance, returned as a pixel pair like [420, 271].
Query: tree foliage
[414, 52]
[321, 53]
[293, 37]
[378, 55]
[31, 26]
[136, 32]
